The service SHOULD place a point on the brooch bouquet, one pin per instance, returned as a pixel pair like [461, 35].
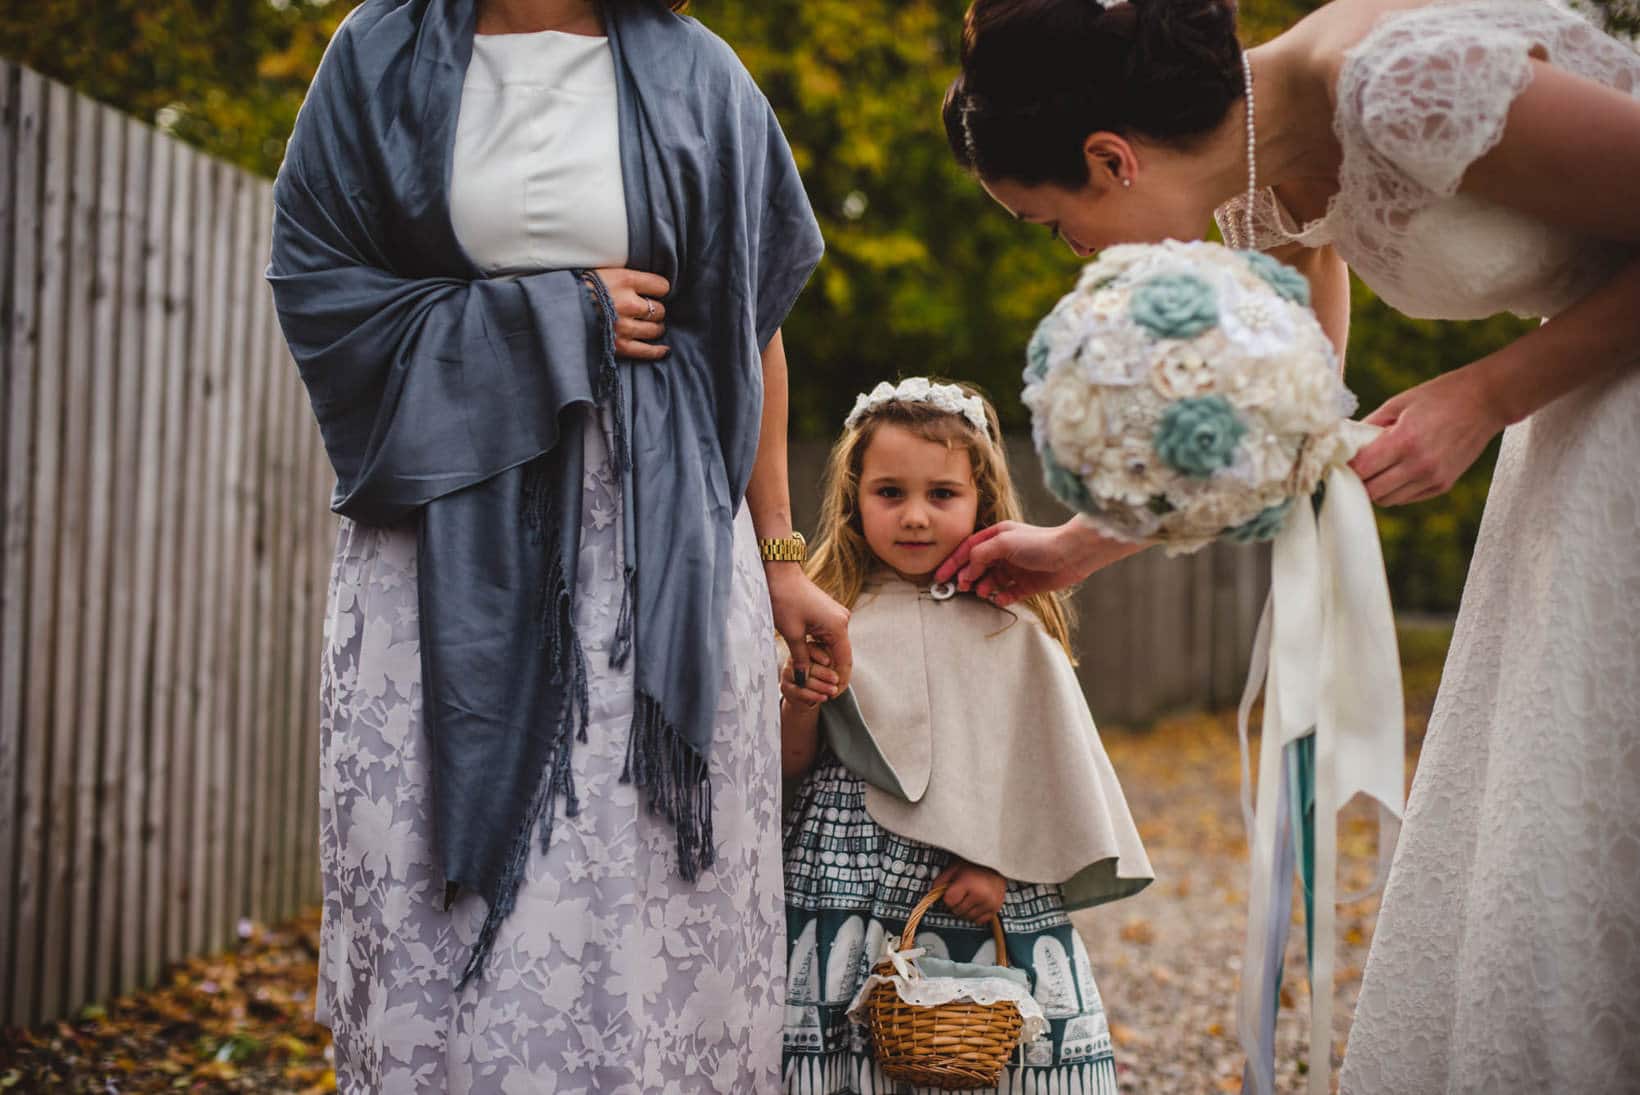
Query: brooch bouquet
[1183, 392]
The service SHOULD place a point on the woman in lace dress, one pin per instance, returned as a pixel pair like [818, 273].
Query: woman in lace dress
[1463, 158]
[618, 957]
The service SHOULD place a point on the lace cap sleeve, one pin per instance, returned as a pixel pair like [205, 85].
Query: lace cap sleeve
[1429, 91]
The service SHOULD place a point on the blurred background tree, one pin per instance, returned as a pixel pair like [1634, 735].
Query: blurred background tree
[922, 274]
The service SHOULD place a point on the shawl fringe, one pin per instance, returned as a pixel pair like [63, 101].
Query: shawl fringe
[558, 637]
[610, 393]
[675, 780]
[658, 759]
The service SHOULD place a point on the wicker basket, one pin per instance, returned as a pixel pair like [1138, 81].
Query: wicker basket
[956, 1046]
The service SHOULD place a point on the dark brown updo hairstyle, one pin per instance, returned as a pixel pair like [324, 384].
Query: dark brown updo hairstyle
[1038, 76]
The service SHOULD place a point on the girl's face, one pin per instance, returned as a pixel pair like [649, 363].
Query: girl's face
[917, 500]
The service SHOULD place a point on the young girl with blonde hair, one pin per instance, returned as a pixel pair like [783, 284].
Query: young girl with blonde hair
[961, 755]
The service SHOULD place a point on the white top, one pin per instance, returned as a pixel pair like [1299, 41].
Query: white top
[1421, 97]
[536, 183]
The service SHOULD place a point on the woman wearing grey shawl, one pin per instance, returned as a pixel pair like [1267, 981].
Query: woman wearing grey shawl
[549, 792]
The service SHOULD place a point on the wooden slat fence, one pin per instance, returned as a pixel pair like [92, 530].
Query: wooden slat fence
[164, 546]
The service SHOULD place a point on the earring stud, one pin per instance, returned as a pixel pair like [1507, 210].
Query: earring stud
[1127, 182]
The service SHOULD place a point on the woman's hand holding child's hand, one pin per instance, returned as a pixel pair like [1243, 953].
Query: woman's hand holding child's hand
[972, 892]
[820, 684]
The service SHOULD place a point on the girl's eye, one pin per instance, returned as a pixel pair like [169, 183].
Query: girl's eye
[944, 494]
[888, 492]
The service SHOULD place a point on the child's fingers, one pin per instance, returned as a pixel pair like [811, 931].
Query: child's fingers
[806, 696]
[820, 681]
[800, 663]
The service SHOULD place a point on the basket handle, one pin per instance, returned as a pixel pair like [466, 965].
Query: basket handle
[909, 935]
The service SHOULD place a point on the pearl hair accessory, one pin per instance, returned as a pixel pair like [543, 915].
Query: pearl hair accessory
[919, 389]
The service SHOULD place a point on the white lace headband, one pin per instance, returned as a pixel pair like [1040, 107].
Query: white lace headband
[919, 389]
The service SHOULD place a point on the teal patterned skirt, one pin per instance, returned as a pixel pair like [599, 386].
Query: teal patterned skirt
[848, 884]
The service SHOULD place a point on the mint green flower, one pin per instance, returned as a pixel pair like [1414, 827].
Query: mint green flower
[1066, 486]
[1199, 436]
[1036, 353]
[1262, 527]
[1280, 277]
[1175, 306]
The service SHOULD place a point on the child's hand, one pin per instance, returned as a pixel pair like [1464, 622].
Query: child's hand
[972, 892]
[820, 685]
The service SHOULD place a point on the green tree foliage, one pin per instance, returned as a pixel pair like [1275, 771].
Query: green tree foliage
[226, 76]
[923, 273]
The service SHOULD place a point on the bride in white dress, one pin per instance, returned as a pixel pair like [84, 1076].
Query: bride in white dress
[1464, 157]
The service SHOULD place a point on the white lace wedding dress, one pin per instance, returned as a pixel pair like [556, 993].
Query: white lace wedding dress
[612, 976]
[1507, 954]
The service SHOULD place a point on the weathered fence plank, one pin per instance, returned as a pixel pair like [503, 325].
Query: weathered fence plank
[97, 733]
[173, 576]
[19, 130]
[257, 638]
[145, 797]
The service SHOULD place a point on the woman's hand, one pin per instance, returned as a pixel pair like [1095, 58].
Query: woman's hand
[972, 892]
[1432, 434]
[806, 617]
[639, 313]
[820, 685]
[1011, 560]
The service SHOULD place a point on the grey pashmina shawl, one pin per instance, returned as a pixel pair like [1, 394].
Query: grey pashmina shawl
[455, 400]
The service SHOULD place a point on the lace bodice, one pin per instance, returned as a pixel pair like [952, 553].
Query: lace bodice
[1421, 97]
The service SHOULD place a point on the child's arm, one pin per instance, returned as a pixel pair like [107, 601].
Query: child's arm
[800, 715]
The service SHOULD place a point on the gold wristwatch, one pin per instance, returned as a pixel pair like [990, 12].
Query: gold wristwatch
[791, 549]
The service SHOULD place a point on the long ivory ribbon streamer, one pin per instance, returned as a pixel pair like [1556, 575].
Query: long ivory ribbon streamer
[1326, 657]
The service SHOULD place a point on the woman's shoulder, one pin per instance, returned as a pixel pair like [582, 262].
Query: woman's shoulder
[700, 51]
[1428, 88]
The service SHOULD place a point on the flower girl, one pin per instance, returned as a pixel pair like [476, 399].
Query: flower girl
[962, 754]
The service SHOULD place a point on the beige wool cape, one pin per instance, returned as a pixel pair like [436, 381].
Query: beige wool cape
[969, 727]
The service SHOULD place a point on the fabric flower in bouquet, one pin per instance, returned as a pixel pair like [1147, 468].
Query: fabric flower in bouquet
[1183, 392]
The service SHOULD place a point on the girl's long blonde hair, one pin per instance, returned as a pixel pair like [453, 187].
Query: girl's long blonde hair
[841, 559]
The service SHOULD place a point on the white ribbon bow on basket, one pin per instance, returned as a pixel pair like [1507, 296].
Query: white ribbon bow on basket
[903, 959]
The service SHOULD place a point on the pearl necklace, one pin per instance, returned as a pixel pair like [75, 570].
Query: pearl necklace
[1252, 155]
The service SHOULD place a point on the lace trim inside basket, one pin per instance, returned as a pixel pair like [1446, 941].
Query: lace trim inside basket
[930, 991]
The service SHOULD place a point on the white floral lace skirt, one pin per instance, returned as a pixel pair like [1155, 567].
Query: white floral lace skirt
[612, 975]
[1507, 953]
